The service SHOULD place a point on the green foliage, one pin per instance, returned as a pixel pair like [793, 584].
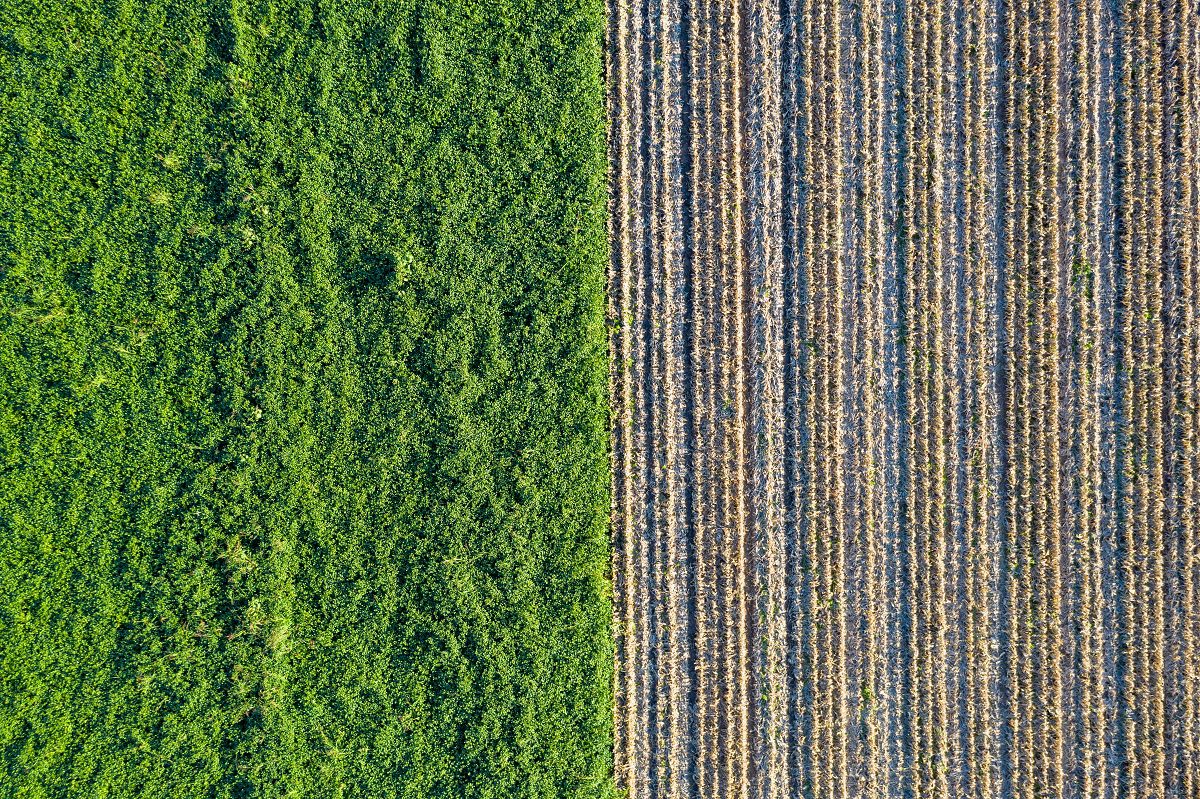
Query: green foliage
[302, 416]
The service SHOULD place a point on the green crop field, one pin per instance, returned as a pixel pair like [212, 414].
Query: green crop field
[303, 473]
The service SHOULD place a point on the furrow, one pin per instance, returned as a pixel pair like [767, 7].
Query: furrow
[978, 253]
[838, 348]
[620, 370]
[1191, 400]
[641, 658]
[725, 311]
[731, 710]
[705, 142]
[914, 602]
[1188, 408]
[793, 776]
[812, 776]
[763, 235]
[741, 773]
[942, 397]
[660, 220]
[676, 422]
[1085, 349]
[873, 777]
[1130, 688]
[1018, 326]
[1156, 437]
[1177, 299]
[1048, 532]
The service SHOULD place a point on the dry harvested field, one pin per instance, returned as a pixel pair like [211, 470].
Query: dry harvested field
[905, 362]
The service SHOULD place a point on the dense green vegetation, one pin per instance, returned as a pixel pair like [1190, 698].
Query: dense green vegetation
[302, 418]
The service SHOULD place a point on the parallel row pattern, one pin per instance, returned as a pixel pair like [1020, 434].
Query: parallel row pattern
[905, 312]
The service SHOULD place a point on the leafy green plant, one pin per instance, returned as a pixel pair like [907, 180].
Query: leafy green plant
[302, 416]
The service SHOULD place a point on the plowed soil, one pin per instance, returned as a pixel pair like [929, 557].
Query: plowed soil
[905, 361]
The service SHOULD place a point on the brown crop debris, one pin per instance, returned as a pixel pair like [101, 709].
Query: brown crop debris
[905, 313]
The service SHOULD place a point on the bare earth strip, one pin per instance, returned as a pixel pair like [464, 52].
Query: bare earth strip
[905, 331]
